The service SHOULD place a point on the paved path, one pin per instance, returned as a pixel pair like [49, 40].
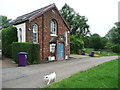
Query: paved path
[7, 63]
[32, 76]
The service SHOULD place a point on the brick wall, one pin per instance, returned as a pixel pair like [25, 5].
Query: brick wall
[29, 33]
[44, 41]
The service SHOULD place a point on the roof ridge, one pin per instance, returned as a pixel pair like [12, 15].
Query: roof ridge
[44, 10]
[35, 10]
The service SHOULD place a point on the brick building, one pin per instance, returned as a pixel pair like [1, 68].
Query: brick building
[47, 27]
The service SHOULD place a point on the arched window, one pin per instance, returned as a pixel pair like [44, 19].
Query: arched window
[20, 35]
[53, 28]
[35, 33]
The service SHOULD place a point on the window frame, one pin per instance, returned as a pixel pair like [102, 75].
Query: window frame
[20, 34]
[52, 47]
[53, 27]
[66, 37]
[35, 33]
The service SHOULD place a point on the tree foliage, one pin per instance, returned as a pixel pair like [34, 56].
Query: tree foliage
[9, 35]
[95, 41]
[78, 27]
[78, 24]
[109, 45]
[114, 34]
[76, 43]
[114, 37]
[4, 20]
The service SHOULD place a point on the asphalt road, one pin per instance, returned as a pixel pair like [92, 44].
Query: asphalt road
[32, 76]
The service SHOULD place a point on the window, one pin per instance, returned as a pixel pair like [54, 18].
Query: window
[53, 26]
[66, 38]
[52, 48]
[20, 35]
[35, 33]
[53, 11]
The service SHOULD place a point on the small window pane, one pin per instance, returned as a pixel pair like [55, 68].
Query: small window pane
[66, 37]
[20, 34]
[35, 33]
[53, 27]
[52, 48]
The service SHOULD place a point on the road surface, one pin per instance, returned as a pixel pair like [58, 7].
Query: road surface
[31, 76]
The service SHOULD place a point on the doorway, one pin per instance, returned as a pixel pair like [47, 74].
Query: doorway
[60, 51]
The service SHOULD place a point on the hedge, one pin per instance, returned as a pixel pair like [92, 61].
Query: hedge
[33, 51]
[9, 35]
[116, 48]
[36, 53]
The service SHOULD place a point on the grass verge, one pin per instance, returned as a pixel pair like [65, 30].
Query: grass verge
[102, 76]
[103, 52]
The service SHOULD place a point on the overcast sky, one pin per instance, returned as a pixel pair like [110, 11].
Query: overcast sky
[101, 14]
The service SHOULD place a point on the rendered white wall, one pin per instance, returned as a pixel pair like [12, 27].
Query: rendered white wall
[23, 27]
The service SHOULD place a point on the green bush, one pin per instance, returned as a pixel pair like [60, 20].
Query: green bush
[36, 53]
[95, 41]
[76, 44]
[109, 45]
[33, 51]
[116, 48]
[9, 35]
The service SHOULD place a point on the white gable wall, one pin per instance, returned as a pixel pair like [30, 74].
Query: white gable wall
[23, 28]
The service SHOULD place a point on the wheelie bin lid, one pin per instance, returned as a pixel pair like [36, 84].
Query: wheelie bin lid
[22, 53]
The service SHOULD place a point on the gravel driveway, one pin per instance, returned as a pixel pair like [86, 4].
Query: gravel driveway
[32, 76]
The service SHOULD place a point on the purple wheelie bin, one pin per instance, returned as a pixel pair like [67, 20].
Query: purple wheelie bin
[22, 58]
[92, 53]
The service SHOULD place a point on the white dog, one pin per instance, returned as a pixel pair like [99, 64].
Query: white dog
[50, 78]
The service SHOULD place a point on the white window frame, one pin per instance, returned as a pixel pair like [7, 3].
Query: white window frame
[53, 28]
[52, 48]
[20, 35]
[66, 38]
[35, 33]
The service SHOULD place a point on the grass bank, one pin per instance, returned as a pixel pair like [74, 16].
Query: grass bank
[103, 52]
[102, 76]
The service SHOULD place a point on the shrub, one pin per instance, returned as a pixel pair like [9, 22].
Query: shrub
[96, 42]
[36, 53]
[76, 44]
[33, 51]
[116, 48]
[87, 42]
[9, 35]
[109, 45]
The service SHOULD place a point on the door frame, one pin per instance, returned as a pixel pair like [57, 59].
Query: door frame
[57, 51]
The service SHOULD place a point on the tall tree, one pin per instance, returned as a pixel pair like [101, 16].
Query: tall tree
[78, 24]
[114, 34]
[95, 41]
[4, 20]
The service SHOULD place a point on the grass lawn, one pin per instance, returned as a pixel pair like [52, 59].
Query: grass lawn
[103, 53]
[102, 76]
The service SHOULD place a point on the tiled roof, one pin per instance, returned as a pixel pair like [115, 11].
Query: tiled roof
[30, 15]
